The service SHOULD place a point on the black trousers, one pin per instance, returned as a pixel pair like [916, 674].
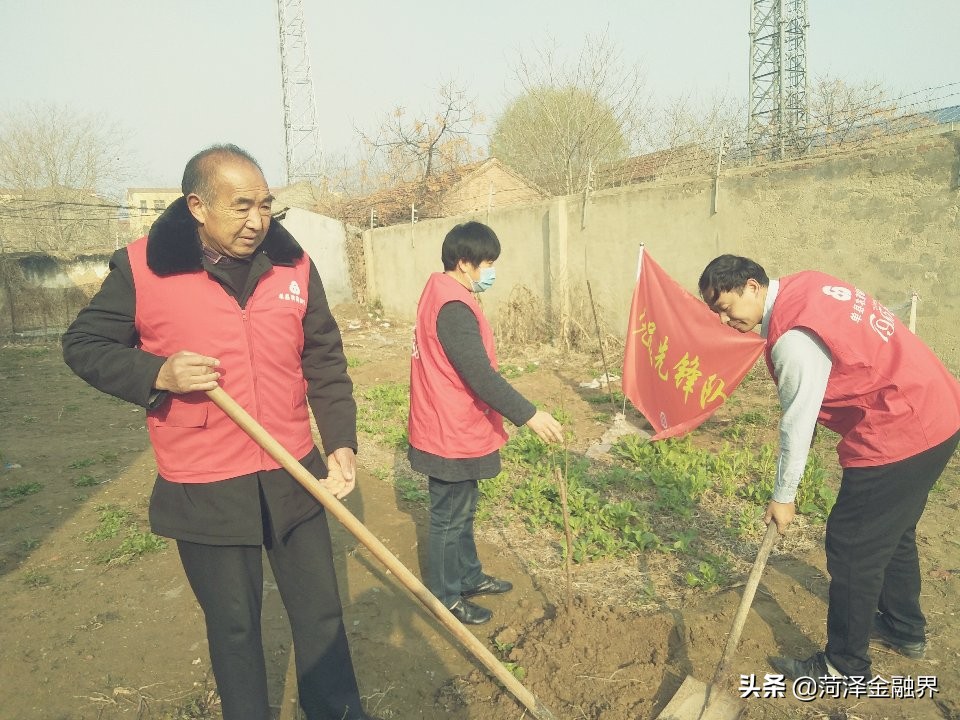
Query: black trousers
[872, 554]
[228, 583]
[452, 560]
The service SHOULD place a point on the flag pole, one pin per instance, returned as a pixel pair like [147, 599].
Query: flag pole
[596, 323]
[623, 409]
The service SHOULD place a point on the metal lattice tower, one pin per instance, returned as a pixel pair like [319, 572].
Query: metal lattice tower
[304, 153]
[777, 123]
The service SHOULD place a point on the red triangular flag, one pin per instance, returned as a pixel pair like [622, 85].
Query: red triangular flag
[681, 362]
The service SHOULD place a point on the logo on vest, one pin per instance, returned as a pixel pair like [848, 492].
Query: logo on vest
[294, 294]
[837, 293]
[883, 325]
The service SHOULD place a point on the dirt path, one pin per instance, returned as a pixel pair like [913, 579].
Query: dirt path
[85, 638]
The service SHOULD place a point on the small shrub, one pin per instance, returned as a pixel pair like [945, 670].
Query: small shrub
[86, 481]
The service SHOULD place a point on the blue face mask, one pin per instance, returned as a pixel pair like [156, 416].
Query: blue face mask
[487, 276]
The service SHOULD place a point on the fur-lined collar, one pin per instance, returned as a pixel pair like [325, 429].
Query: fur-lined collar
[174, 247]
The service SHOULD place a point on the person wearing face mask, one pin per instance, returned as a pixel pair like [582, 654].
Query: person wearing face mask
[457, 404]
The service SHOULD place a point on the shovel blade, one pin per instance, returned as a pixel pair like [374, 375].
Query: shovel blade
[688, 704]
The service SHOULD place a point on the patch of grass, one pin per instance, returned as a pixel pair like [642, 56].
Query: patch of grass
[744, 523]
[411, 489]
[602, 396]
[108, 456]
[600, 527]
[382, 411]
[679, 472]
[116, 522]
[81, 463]
[29, 544]
[511, 371]
[354, 362]
[86, 481]
[708, 574]
[36, 579]
[17, 493]
[815, 498]
[134, 545]
[492, 492]
[112, 520]
[744, 423]
[525, 448]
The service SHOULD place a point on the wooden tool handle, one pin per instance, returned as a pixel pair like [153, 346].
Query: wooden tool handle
[356, 528]
[748, 592]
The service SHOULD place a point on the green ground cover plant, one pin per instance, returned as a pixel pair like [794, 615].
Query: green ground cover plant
[18, 493]
[382, 411]
[115, 522]
[684, 498]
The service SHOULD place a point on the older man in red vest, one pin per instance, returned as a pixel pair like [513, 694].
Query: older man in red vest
[218, 295]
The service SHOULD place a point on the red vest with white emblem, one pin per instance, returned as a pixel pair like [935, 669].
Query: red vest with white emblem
[446, 417]
[259, 348]
[888, 395]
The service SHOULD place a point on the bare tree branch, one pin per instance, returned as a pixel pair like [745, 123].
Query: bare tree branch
[58, 167]
[415, 149]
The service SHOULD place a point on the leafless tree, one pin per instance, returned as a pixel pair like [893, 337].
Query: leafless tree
[61, 173]
[571, 117]
[414, 149]
[684, 120]
[844, 113]
[685, 135]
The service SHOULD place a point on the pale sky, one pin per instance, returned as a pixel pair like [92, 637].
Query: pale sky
[179, 75]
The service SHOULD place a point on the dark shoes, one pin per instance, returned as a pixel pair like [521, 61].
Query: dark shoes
[489, 586]
[915, 649]
[814, 666]
[470, 613]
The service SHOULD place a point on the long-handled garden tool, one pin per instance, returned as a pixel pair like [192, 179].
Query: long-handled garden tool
[240, 416]
[696, 701]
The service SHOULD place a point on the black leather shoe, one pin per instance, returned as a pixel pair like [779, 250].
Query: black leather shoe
[489, 586]
[814, 666]
[470, 613]
[915, 649]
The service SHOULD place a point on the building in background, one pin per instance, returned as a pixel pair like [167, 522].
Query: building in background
[475, 187]
[145, 205]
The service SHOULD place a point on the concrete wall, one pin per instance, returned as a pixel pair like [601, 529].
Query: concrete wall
[324, 240]
[886, 218]
[41, 294]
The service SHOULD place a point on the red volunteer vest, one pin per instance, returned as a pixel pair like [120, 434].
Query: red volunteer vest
[446, 416]
[888, 396]
[259, 348]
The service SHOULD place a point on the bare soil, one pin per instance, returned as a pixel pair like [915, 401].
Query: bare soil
[86, 638]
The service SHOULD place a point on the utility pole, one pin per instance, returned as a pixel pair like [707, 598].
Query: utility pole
[777, 122]
[304, 153]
